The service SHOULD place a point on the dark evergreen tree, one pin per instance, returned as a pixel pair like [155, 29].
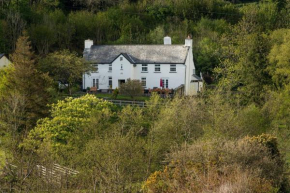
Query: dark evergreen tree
[29, 83]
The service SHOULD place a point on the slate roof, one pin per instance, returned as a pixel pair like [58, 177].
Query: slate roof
[1, 55]
[138, 54]
[196, 77]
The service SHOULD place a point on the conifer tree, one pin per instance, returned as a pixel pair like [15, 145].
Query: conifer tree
[29, 83]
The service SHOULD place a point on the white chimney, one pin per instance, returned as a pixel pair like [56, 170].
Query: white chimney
[88, 43]
[167, 40]
[188, 41]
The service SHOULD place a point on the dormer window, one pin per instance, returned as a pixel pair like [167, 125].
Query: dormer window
[144, 67]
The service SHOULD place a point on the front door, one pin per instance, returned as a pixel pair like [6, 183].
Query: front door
[165, 82]
[121, 82]
[96, 83]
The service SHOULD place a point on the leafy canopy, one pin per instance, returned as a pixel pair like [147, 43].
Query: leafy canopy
[68, 117]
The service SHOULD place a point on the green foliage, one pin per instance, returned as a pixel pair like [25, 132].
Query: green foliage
[68, 120]
[43, 36]
[28, 83]
[262, 16]
[240, 46]
[115, 93]
[279, 59]
[245, 68]
[65, 67]
[120, 159]
[132, 88]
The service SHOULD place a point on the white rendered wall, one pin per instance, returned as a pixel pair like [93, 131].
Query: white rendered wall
[175, 79]
[121, 73]
[129, 71]
[188, 88]
[103, 75]
[195, 87]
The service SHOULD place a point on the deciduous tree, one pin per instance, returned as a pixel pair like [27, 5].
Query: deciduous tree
[65, 67]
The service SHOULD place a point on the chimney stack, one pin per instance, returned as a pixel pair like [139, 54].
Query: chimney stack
[167, 40]
[88, 43]
[188, 41]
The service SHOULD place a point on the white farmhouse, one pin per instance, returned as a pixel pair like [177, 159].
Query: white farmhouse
[4, 61]
[167, 66]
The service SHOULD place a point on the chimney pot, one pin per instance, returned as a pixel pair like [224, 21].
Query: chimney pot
[167, 40]
[88, 43]
[188, 42]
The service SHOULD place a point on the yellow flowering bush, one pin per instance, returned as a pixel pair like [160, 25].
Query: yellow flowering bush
[68, 119]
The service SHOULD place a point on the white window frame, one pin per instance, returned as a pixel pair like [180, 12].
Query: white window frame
[96, 66]
[165, 82]
[157, 68]
[96, 83]
[143, 81]
[121, 58]
[110, 82]
[144, 67]
[172, 67]
[110, 67]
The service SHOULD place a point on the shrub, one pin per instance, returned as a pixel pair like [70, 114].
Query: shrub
[115, 93]
[132, 88]
[220, 166]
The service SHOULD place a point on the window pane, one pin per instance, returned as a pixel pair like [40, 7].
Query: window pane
[173, 68]
[143, 81]
[110, 82]
[165, 83]
[144, 68]
[110, 67]
[157, 67]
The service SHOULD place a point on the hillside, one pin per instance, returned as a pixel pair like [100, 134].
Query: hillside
[232, 137]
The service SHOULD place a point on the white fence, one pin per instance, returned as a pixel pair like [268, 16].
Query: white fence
[124, 103]
[56, 173]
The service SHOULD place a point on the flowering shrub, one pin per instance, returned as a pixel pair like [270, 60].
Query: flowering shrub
[68, 117]
[165, 91]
